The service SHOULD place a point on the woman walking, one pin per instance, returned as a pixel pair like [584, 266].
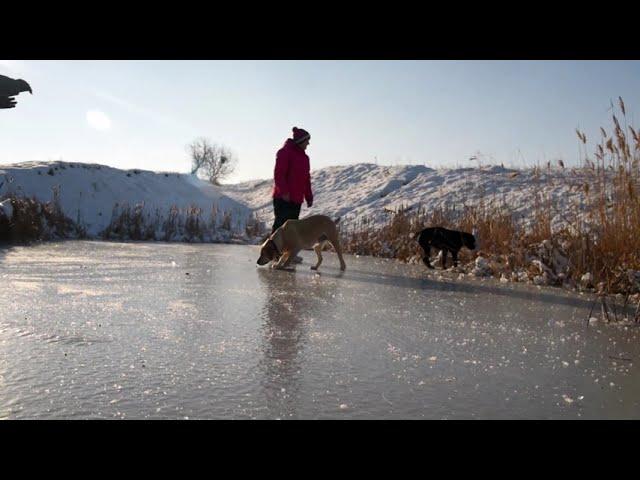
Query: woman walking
[292, 179]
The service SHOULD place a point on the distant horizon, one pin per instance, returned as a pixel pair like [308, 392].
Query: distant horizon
[440, 114]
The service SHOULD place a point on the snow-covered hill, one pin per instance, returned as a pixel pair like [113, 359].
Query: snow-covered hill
[367, 190]
[89, 193]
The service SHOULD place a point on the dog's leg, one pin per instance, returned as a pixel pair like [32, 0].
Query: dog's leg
[444, 258]
[333, 239]
[343, 266]
[318, 249]
[427, 255]
[283, 261]
[454, 254]
[290, 257]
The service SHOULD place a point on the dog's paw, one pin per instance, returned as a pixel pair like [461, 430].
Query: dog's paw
[314, 268]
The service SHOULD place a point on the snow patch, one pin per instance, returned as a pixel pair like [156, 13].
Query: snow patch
[6, 208]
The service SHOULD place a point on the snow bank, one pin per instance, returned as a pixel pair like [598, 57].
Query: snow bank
[90, 194]
[353, 192]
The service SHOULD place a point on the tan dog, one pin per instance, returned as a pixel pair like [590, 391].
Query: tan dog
[295, 235]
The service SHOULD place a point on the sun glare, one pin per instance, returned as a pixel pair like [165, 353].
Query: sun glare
[98, 120]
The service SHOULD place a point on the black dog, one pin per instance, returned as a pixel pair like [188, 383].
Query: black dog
[445, 240]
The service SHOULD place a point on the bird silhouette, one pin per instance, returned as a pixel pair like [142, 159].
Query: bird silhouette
[9, 88]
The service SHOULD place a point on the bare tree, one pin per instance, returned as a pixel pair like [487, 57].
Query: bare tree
[212, 161]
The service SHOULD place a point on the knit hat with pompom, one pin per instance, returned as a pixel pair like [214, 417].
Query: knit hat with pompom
[300, 135]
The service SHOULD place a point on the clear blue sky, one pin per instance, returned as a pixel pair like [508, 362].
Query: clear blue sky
[141, 114]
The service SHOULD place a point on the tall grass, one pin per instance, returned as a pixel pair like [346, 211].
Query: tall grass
[613, 239]
[34, 220]
[182, 225]
[598, 247]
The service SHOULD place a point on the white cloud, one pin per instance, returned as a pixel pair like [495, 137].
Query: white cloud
[98, 120]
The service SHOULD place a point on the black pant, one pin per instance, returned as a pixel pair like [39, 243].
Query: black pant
[284, 211]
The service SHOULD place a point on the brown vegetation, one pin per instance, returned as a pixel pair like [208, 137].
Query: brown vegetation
[597, 249]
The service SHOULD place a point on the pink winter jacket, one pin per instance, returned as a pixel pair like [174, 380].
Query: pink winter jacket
[291, 174]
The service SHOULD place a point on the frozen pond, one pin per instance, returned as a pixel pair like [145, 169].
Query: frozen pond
[152, 330]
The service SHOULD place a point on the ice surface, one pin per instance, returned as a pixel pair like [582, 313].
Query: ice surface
[85, 324]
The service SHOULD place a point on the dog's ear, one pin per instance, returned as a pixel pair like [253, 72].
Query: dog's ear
[470, 241]
[474, 236]
[270, 248]
[278, 233]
